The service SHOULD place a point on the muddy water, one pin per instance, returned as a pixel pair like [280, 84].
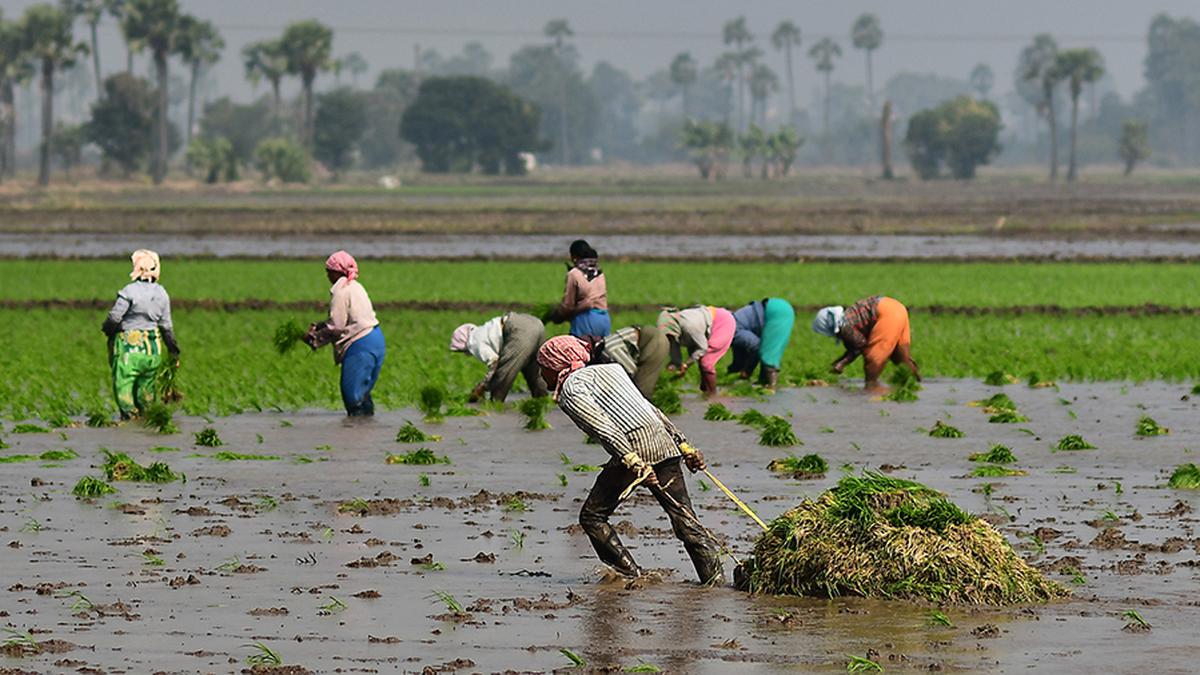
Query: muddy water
[547, 593]
[90, 244]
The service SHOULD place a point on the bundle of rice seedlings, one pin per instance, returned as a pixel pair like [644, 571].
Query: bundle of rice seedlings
[995, 403]
[997, 454]
[287, 335]
[1007, 417]
[100, 418]
[228, 456]
[883, 537]
[430, 400]
[1146, 426]
[120, 466]
[409, 433]
[904, 386]
[995, 471]
[208, 438]
[808, 466]
[1073, 442]
[1185, 477]
[166, 382]
[29, 428]
[717, 412]
[420, 457]
[64, 455]
[1035, 381]
[158, 417]
[777, 432]
[90, 487]
[534, 410]
[998, 378]
[666, 399]
[753, 418]
[942, 430]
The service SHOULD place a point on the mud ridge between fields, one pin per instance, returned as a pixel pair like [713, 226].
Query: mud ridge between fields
[260, 304]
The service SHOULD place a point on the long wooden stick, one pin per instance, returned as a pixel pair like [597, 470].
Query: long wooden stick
[742, 505]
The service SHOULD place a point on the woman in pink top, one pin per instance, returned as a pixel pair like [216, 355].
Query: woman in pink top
[585, 300]
[358, 343]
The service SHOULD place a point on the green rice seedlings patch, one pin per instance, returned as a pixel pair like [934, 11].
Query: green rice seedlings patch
[166, 382]
[998, 454]
[99, 419]
[717, 412]
[1035, 381]
[998, 378]
[1136, 624]
[753, 418]
[937, 618]
[1196, 389]
[515, 505]
[90, 487]
[263, 656]
[534, 410]
[1146, 426]
[119, 466]
[419, 457]
[163, 448]
[995, 471]
[64, 455]
[995, 403]
[808, 466]
[1073, 442]
[28, 428]
[877, 536]
[904, 386]
[449, 601]
[208, 438]
[860, 664]
[942, 430]
[430, 400]
[159, 418]
[1185, 477]
[1007, 417]
[778, 433]
[575, 659]
[20, 641]
[642, 668]
[287, 335]
[423, 480]
[666, 398]
[228, 456]
[16, 459]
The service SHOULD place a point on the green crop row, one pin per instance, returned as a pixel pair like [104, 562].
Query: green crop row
[229, 362]
[633, 283]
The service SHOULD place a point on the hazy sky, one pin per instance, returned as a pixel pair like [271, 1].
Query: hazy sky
[947, 37]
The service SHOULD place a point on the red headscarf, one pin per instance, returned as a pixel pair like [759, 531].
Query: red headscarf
[343, 263]
[564, 355]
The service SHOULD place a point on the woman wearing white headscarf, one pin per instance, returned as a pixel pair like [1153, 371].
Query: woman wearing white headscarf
[508, 346]
[876, 328]
[138, 328]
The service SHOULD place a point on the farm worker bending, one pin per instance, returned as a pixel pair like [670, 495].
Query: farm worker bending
[877, 328]
[646, 448]
[585, 299]
[706, 332]
[641, 350]
[138, 327]
[507, 345]
[763, 330]
[357, 339]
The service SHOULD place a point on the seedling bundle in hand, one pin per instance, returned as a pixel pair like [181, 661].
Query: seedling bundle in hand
[287, 335]
[534, 410]
[904, 386]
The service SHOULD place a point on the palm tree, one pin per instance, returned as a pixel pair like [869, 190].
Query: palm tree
[726, 67]
[15, 69]
[559, 30]
[91, 11]
[867, 35]
[763, 82]
[356, 64]
[982, 80]
[735, 32]
[824, 52]
[683, 73]
[265, 60]
[1077, 67]
[1037, 65]
[49, 38]
[785, 37]
[157, 25]
[200, 45]
[307, 46]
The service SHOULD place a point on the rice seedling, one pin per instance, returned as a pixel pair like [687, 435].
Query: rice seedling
[534, 410]
[327, 534]
[423, 480]
[433, 566]
[430, 400]
[562, 456]
[937, 618]
[997, 454]
[230, 564]
[517, 538]
[120, 466]
[32, 525]
[1007, 417]
[1185, 477]
[995, 471]
[29, 428]
[1077, 577]
[576, 660]
[642, 668]
[409, 433]
[90, 488]
[451, 603]
[1136, 619]
[16, 459]
[800, 467]
[562, 479]
[418, 457]
[267, 503]
[98, 419]
[777, 432]
[64, 455]
[163, 448]
[904, 386]
[998, 378]
[1036, 381]
[717, 412]
[1073, 442]
[753, 418]
[1039, 546]
[515, 505]
[332, 606]
[942, 430]
[666, 398]
[357, 505]
[22, 640]
[585, 468]
[166, 382]
[704, 487]
[859, 664]
[994, 403]
[230, 456]
[152, 560]
[1117, 488]
[159, 418]
[263, 656]
[1146, 426]
[208, 438]
[287, 335]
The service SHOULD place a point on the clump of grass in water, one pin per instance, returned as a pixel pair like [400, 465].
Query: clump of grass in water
[263, 656]
[158, 417]
[1185, 477]
[22, 640]
[666, 398]
[421, 457]
[430, 400]
[575, 659]
[89, 487]
[1146, 426]
[753, 418]
[29, 428]
[515, 505]
[942, 430]
[995, 403]
[452, 604]
[800, 467]
[120, 466]
[409, 433]
[98, 419]
[998, 454]
[998, 378]
[904, 386]
[534, 410]
[937, 618]
[995, 471]
[287, 335]
[208, 438]
[777, 432]
[859, 664]
[1007, 417]
[1073, 442]
[717, 412]
[228, 456]
[878, 536]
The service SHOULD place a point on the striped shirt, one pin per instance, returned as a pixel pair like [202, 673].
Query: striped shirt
[603, 402]
[621, 348]
[858, 321]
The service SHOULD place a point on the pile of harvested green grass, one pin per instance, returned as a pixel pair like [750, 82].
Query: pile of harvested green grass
[777, 432]
[120, 466]
[409, 433]
[90, 487]
[1073, 442]
[997, 454]
[1146, 426]
[808, 466]
[208, 438]
[1185, 477]
[717, 412]
[753, 418]
[877, 536]
[904, 386]
[534, 410]
[942, 430]
[1001, 408]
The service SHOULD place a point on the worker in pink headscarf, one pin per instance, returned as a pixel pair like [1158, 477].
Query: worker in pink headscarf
[358, 344]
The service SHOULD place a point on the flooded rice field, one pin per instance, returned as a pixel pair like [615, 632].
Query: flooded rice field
[185, 577]
[1174, 245]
